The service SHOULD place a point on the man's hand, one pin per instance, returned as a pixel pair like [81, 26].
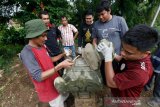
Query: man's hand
[66, 63]
[117, 57]
[106, 50]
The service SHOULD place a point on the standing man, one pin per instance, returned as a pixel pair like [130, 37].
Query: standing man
[86, 31]
[53, 38]
[40, 65]
[53, 35]
[109, 27]
[69, 34]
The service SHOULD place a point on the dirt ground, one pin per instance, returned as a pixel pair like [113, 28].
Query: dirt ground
[16, 89]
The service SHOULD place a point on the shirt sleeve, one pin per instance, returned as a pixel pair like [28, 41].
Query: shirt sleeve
[124, 27]
[127, 79]
[31, 64]
[94, 32]
[74, 29]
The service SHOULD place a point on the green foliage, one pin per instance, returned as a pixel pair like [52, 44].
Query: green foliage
[57, 8]
[157, 23]
[7, 52]
[12, 36]
[135, 12]
[81, 6]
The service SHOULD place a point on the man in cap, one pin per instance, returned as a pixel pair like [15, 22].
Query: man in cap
[39, 64]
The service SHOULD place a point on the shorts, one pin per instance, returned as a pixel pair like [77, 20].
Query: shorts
[59, 101]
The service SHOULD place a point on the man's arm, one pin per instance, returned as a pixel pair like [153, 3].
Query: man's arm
[107, 51]
[109, 73]
[94, 42]
[58, 57]
[74, 30]
[76, 34]
[65, 64]
[35, 70]
[94, 36]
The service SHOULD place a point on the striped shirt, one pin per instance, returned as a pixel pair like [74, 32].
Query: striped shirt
[67, 34]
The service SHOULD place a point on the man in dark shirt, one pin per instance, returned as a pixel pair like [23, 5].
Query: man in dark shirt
[86, 30]
[53, 37]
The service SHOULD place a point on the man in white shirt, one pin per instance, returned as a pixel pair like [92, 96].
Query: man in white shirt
[69, 34]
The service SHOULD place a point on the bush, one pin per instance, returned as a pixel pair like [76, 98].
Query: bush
[7, 52]
[12, 36]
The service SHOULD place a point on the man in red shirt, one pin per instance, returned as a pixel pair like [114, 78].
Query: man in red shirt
[135, 67]
[40, 65]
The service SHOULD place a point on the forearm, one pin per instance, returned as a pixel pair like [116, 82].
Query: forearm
[109, 73]
[94, 42]
[50, 72]
[58, 57]
[75, 36]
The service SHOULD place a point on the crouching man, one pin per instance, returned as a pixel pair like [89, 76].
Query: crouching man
[135, 67]
[40, 66]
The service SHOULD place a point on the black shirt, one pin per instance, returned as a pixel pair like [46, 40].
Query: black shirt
[85, 34]
[51, 42]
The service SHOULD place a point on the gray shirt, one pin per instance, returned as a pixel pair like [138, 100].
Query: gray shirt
[112, 30]
[30, 63]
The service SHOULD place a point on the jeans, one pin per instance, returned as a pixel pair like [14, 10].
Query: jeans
[72, 48]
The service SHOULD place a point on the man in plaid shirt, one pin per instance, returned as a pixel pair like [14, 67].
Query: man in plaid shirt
[67, 33]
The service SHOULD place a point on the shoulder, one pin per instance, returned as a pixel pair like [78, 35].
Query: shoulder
[26, 52]
[143, 68]
[60, 26]
[71, 25]
[118, 18]
[96, 23]
[26, 49]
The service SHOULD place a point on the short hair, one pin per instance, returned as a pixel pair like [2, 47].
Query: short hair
[42, 12]
[143, 37]
[64, 17]
[104, 5]
[89, 12]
